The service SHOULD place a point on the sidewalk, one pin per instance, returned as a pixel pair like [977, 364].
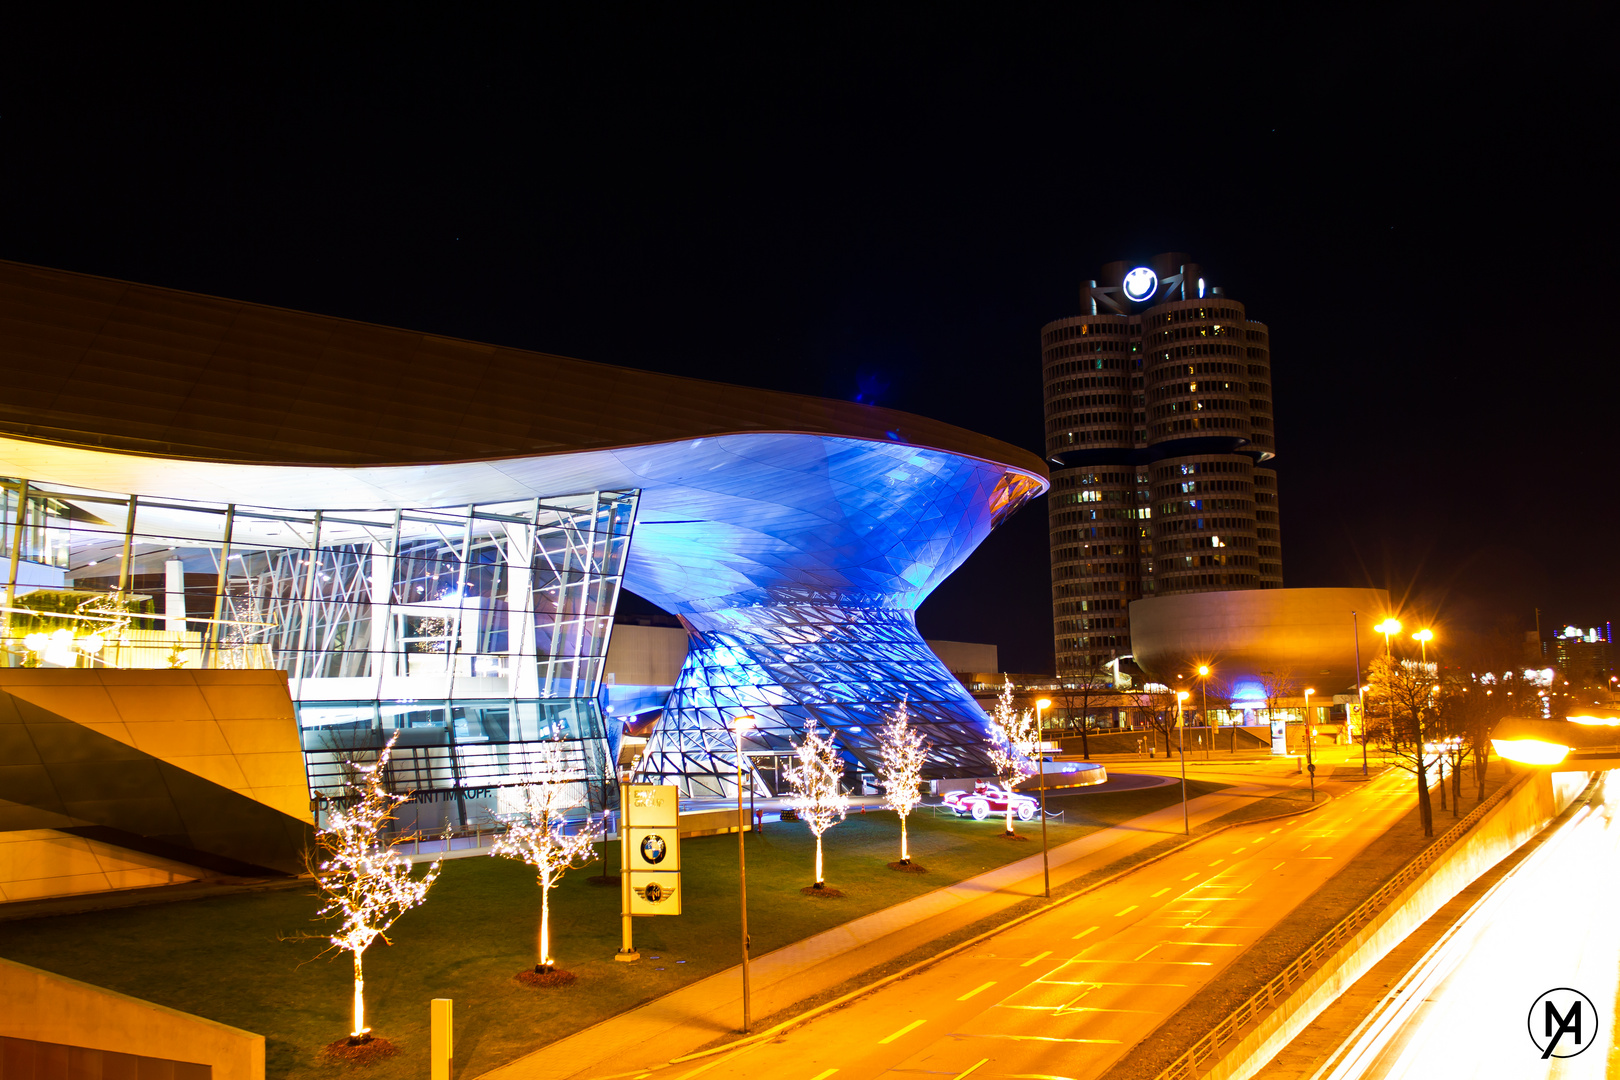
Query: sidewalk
[696, 1015]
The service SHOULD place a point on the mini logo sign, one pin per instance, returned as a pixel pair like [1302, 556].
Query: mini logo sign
[1563, 1023]
[1140, 284]
[653, 849]
[655, 893]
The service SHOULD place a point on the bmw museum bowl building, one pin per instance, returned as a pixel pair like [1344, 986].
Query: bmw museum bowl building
[429, 536]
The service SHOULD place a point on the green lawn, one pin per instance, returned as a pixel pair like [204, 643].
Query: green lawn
[226, 958]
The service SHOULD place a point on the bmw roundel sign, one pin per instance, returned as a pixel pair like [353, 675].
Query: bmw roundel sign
[1140, 284]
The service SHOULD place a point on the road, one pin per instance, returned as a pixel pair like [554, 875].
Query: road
[1464, 1010]
[1064, 995]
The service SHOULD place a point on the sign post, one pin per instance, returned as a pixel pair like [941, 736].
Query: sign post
[653, 850]
[627, 949]
[441, 1039]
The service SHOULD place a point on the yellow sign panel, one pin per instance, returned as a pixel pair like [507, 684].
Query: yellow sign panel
[652, 806]
[655, 892]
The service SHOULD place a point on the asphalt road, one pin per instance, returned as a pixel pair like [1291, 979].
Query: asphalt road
[1469, 1008]
[1064, 995]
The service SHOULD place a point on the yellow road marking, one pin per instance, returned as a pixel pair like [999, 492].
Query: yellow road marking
[1127, 911]
[1278, 829]
[976, 990]
[969, 1069]
[1217, 862]
[1241, 849]
[902, 1031]
[823, 1074]
[1084, 932]
[1160, 893]
[1279, 866]
[718, 1060]
[1190, 876]
[1033, 959]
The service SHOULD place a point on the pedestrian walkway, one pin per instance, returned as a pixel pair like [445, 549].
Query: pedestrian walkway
[692, 1017]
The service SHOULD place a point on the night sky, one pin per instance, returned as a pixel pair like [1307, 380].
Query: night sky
[886, 203]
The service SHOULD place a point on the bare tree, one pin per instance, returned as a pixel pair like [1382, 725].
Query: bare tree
[1155, 706]
[1276, 685]
[904, 752]
[1014, 744]
[1077, 691]
[817, 783]
[1408, 690]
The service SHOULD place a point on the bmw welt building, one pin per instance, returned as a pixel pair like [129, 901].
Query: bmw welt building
[429, 536]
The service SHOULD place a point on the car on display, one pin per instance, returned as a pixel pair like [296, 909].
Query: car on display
[986, 799]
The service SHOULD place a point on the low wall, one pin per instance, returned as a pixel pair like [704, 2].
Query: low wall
[47, 1008]
[1527, 809]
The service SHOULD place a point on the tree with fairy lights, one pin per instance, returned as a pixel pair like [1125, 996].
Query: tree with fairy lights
[367, 882]
[818, 795]
[903, 751]
[1014, 742]
[536, 834]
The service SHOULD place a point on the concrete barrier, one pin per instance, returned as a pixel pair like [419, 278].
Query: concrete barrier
[1529, 806]
[46, 1008]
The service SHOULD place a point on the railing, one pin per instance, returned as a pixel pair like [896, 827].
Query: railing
[1186, 1065]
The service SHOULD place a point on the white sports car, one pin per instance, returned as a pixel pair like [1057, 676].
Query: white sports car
[986, 799]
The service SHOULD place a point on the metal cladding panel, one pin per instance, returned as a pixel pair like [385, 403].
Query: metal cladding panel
[1307, 634]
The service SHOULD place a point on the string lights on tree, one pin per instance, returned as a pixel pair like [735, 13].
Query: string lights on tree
[903, 753]
[817, 792]
[1014, 742]
[367, 882]
[536, 834]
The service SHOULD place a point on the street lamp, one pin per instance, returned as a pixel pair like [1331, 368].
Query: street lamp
[740, 725]
[1310, 761]
[1040, 753]
[1181, 746]
[1388, 627]
[1203, 687]
[1361, 691]
[1423, 637]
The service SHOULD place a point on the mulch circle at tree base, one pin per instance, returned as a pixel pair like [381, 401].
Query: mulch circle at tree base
[360, 1051]
[554, 977]
[1013, 836]
[822, 892]
[908, 868]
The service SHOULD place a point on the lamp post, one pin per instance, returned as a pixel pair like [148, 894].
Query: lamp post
[739, 725]
[1310, 761]
[1390, 625]
[1361, 691]
[1181, 746]
[1040, 737]
[1203, 689]
[1423, 637]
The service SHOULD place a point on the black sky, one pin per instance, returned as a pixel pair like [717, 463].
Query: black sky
[890, 200]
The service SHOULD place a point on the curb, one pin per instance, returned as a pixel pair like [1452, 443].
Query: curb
[910, 969]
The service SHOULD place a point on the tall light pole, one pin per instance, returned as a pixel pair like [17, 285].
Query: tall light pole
[1181, 745]
[1310, 760]
[1203, 687]
[739, 725]
[1423, 637]
[1361, 691]
[1390, 625]
[1040, 736]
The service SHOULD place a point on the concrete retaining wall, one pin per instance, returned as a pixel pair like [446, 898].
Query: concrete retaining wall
[1536, 800]
[47, 1008]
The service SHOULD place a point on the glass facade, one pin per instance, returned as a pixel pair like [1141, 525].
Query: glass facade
[470, 631]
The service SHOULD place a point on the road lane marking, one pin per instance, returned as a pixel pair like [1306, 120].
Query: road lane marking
[970, 993]
[1034, 959]
[965, 1072]
[1190, 876]
[1241, 850]
[823, 1074]
[1160, 893]
[1278, 829]
[1280, 865]
[1149, 949]
[1083, 933]
[1023, 1038]
[1217, 862]
[720, 1060]
[914, 1024]
[1127, 911]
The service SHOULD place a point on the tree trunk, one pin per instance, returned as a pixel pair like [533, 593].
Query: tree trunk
[1168, 749]
[1425, 811]
[545, 920]
[1009, 810]
[1482, 762]
[1085, 744]
[359, 998]
[818, 859]
[1456, 787]
[905, 856]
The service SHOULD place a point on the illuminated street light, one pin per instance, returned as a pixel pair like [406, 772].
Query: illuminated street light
[1310, 738]
[1423, 637]
[739, 725]
[1203, 686]
[1388, 627]
[1530, 751]
[1181, 746]
[1040, 752]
